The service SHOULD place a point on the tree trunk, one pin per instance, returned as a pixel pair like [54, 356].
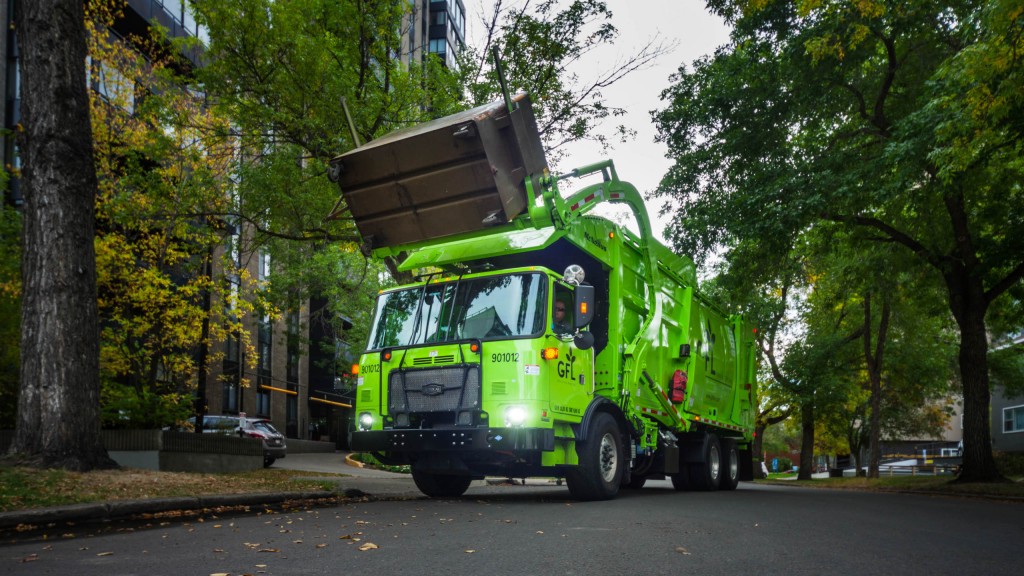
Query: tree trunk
[855, 438]
[979, 464]
[761, 423]
[969, 303]
[873, 358]
[807, 440]
[58, 408]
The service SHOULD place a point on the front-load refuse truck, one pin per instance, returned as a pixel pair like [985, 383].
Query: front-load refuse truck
[539, 340]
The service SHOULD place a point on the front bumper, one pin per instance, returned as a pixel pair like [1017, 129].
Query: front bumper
[274, 451]
[453, 439]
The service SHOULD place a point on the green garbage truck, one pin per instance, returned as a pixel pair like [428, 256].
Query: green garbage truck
[540, 340]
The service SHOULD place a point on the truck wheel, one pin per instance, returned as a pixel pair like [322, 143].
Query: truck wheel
[707, 476]
[599, 472]
[441, 485]
[730, 466]
[268, 461]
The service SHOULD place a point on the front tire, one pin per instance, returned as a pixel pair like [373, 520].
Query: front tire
[441, 485]
[601, 461]
[268, 461]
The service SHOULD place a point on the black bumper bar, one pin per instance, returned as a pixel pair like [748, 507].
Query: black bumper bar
[453, 439]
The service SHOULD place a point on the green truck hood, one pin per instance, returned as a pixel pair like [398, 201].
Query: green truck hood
[481, 248]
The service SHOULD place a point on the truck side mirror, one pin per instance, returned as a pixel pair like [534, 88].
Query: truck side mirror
[583, 340]
[584, 305]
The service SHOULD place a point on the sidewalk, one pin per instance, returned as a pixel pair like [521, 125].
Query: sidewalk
[359, 483]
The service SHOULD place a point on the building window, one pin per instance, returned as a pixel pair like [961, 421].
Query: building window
[230, 404]
[1013, 419]
[264, 368]
[263, 402]
[232, 349]
[264, 345]
[294, 351]
[113, 86]
[264, 263]
[438, 46]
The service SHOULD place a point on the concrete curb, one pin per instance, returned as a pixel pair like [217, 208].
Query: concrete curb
[353, 462]
[936, 494]
[126, 509]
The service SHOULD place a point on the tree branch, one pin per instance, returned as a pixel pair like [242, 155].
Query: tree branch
[1015, 276]
[890, 231]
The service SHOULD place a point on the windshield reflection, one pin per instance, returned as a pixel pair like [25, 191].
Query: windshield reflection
[491, 307]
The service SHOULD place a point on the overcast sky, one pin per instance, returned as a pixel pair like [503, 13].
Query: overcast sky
[687, 27]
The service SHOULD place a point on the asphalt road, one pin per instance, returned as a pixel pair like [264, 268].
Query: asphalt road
[538, 530]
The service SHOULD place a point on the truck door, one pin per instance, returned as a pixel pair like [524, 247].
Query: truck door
[570, 373]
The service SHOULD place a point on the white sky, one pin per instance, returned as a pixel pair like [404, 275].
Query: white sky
[691, 32]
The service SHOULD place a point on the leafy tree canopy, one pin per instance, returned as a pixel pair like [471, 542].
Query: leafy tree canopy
[899, 119]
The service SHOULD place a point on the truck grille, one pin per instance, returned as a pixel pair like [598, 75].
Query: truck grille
[450, 389]
[433, 360]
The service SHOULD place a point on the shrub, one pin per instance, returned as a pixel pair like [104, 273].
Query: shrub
[369, 460]
[1011, 464]
[125, 407]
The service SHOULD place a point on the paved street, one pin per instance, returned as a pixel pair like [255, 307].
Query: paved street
[538, 530]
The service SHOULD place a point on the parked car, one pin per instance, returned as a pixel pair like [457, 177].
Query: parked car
[274, 444]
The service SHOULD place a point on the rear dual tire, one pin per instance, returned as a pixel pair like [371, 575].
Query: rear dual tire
[720, 469]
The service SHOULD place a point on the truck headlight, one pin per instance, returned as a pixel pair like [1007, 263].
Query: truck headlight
[365, 421]
[515, 416]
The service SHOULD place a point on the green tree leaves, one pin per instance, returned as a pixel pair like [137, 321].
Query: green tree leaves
[896, 121]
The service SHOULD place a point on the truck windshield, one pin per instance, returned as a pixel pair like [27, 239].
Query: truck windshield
[490, 307]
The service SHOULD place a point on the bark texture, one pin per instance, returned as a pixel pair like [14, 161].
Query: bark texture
[806, 440]
[58, 408]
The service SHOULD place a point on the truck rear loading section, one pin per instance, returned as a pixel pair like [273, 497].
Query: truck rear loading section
[472, 372]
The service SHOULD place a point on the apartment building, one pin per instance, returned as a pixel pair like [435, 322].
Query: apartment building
[293, 383]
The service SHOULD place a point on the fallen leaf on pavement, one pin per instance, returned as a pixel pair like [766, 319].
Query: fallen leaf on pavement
[368, 546]
[268, 550]
[470, 551]
[105, 554]
[682, 551]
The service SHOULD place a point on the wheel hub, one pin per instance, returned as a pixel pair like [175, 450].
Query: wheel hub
[609, 458]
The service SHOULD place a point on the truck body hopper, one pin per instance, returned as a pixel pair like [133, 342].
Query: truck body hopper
[457, 174]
